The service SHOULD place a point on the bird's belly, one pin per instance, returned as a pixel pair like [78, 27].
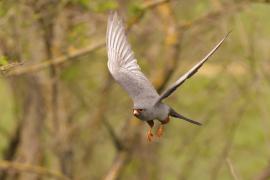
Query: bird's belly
[150, 117]
[146, 118]
[162, 117]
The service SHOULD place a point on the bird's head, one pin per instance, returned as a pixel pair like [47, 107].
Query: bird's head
[138, 112]
[143, 112]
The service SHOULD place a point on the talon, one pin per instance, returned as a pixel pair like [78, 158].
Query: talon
[149, 135]
[149, 132]
[160, 131]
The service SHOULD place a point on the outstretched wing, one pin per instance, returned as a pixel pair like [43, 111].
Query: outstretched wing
[123, 65]
[190, 73]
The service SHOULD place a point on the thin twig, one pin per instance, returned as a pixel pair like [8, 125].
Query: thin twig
[57, 61]
[118, 163]
[20, 167]
[153, 4]
[231, 168]
[213, 15]
[5, 68]
[116, 140]
[77, 53]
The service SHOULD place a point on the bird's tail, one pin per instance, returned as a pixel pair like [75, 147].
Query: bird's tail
[173, 113]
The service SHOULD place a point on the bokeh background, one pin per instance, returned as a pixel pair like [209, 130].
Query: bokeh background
[62, 116]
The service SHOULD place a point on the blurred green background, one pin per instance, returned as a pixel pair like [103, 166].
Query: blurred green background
[60, 110]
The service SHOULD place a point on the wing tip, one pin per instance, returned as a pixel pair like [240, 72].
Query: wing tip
[115, 19]
[115, 16]
[198, 123]
[112, 15]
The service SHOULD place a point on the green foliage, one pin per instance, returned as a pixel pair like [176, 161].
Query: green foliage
[97, 6]
[4, 7]
[70, 74]
[7, 122]
[82, 3]
[3, 60]
[104, 5]
[135, 9]
[78, 35]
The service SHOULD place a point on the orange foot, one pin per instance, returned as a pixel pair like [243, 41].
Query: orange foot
[160, 131]
[149, 135]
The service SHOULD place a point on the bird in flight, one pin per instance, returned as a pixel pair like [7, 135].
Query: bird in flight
[122, 64]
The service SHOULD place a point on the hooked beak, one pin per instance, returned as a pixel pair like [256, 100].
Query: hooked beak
[136, 112]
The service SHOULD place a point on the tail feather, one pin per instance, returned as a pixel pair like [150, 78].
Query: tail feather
[173, 113]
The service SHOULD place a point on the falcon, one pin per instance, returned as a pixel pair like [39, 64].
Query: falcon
[147, 103]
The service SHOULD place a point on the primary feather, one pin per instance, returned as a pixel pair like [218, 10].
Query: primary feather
[123, 65]
[190, 73]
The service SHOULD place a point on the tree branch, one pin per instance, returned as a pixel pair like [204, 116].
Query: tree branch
[20, 167]
[231, 168]
[77, 53]
[115, 139]
[56, 61]
[213, 15]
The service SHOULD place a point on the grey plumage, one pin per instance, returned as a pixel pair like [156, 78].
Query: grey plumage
[123, 66]
[173, 113]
